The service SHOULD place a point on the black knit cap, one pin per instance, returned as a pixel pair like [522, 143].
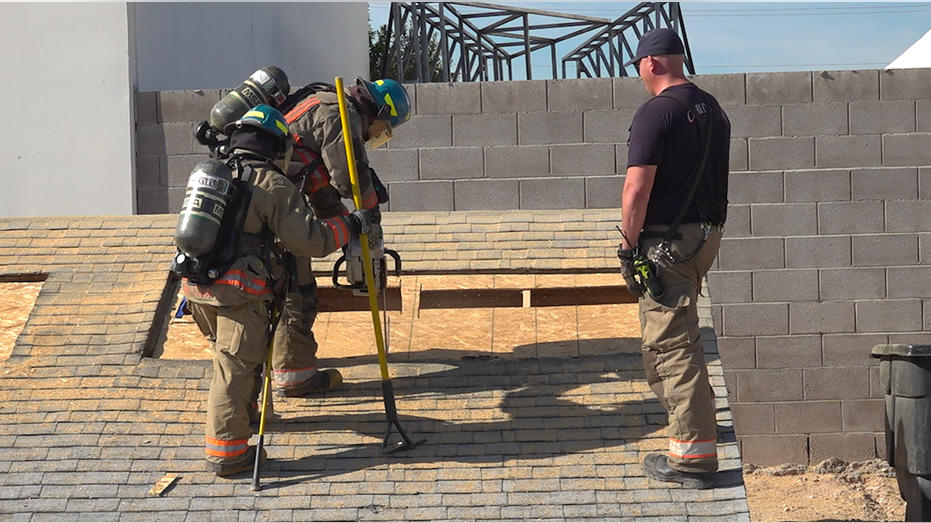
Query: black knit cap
[657, 42]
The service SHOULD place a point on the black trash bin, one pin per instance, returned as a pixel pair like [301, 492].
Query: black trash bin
[905, 377]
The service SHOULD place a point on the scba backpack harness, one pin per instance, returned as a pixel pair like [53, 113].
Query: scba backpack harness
[209, 234]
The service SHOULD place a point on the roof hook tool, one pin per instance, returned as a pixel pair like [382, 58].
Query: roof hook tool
[387, 389]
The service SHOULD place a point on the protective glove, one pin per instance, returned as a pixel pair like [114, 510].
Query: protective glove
[629, 272]
[359, 222]
[376, 214]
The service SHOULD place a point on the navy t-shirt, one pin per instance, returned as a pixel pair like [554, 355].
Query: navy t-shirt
[664, 133]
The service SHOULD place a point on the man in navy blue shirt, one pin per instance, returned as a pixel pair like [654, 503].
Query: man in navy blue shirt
[673, 210]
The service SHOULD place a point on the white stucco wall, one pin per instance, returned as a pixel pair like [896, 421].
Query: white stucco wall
[216, 45]
[66, 146]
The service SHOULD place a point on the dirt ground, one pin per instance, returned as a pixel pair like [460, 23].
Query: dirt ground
[832, 491]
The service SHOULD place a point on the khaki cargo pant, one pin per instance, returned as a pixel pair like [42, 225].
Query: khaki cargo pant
[673, 355]
[239, 354]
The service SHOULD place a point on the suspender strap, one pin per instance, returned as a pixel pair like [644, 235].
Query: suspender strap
[705, 130]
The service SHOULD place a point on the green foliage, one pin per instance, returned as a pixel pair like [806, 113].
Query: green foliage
[378, 43]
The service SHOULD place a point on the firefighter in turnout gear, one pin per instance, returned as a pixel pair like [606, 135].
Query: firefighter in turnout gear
[235, 307]
[320, 170]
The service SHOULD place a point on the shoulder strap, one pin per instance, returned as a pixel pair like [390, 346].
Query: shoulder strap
[304, 92]
[705, 130]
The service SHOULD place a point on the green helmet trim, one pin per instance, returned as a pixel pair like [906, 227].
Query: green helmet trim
[263, 117]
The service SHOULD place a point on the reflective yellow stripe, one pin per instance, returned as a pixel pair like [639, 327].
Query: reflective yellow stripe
[693, 449]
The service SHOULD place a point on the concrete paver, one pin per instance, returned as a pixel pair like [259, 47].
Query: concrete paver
[90, 424]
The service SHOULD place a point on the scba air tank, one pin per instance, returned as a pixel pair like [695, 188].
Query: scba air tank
[269, 85]
[209, 191]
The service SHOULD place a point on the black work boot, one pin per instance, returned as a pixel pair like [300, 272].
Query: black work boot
[656, 466]
[321, 381]
[246, 463]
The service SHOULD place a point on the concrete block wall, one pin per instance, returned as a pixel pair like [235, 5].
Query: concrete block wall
[828, 244]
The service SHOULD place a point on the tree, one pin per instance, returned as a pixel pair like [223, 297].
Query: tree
[378, 43]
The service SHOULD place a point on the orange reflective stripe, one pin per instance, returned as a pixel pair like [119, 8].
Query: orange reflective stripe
[693, 449]
[287, 378]
[371, 202]
[226, 449]
[300, 109]
[340, 231]
[242, 281]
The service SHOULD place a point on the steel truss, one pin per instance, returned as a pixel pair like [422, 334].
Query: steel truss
[471, 41]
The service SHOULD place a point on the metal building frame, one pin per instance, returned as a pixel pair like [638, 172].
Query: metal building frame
[480, 42]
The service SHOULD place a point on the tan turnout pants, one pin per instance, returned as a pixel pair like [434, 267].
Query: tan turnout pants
[673, 355]
[294, 360]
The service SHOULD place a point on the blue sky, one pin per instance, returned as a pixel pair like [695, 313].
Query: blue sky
[735, 37]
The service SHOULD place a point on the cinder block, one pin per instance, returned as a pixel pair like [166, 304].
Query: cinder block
[884, 184]
[154, 200]
[737, 353]
[882, 117]
[845, 86]
[889, 316]
[424, 131]
[421, 196]
[785, 285]
[150, 140]
[853, 284]
[844, 446]
[769, 385]
[906, 149]
[607, 126]
[175, 199]
[731, 286]
[549, 128]
[582, 159]
[621, 156]
[487, 195]
[449, 98]
[755, 187]
[186, 106]
[909, 282]
[788, 352]
[904, 84]
[863, 415]
[739, 155]
[924, 183]
[817, 186]
[850, 217]
[821, 317]
[629, 92]
[727, 89]
[784, 219]
[837, 383]
[451, 163]
[850, 350]
[484, 129]
[883, 250]
[552, 193]
[814, 119]
[582, 94]
[908, 338]
[178, 168]
[755, 121]
[752, 419]
[395, 165]
[528, 161]
[924, 249]
[808, 417]
[908, 216]
[781, 153]
[769, 451]
[604, 192]
[738, 221]
[513, 97]
[146, 108]
[848, 151]
[756, 319]
[751, 254]
[778, 88]
[149, 172]
[923, 117]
